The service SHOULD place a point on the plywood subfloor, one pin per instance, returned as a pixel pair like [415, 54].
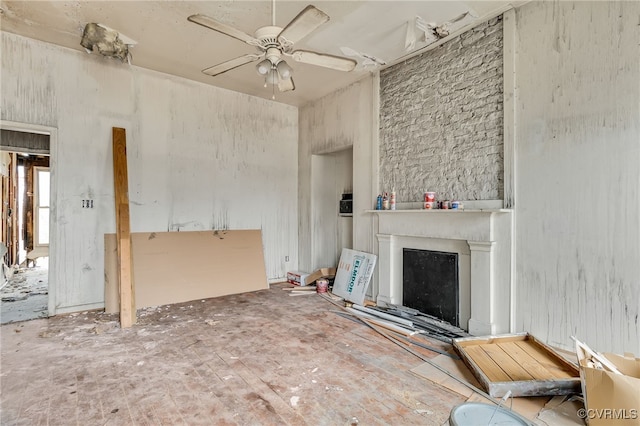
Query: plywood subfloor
[260, 358]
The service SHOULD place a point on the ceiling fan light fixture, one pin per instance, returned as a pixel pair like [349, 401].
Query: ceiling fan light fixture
[264, 67]
[284, 70]
[272, 77]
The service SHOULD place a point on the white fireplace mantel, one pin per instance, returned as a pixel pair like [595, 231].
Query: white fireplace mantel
[483, 235]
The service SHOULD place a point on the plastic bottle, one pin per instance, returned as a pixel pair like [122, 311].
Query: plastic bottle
[385, 201]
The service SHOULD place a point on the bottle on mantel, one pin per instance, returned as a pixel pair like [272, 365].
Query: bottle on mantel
[392, 199]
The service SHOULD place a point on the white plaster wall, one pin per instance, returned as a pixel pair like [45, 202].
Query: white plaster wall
[343, 119]
[578, 173]
[198, 157]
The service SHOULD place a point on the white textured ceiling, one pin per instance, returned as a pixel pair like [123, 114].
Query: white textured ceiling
[168, 43]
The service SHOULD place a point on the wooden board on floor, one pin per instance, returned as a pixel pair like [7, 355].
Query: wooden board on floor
[173, 267]
[518, 363]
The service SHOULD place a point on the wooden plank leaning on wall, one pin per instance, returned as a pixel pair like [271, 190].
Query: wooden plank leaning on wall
[123, 231]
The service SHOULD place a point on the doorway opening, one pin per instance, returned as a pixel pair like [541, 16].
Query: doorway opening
[331, 183]
[25, 228]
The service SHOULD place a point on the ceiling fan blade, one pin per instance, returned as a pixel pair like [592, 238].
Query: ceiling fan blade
[286, 85]
[231, 64]
[303, 25]
[211, 23]
[324, 60]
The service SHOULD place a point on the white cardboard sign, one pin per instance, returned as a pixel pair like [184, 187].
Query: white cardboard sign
[353, 275]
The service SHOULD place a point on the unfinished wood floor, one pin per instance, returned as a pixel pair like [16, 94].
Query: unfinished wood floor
[262, 358]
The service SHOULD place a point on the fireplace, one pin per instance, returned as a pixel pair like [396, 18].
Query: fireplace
[430, 283]
[481, 239]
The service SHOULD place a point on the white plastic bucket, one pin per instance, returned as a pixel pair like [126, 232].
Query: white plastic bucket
[477, 413]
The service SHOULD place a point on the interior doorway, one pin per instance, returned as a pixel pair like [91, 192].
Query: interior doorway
[25, 225]
[331, 182]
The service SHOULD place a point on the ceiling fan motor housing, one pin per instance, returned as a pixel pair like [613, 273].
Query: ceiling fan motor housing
[268, 36]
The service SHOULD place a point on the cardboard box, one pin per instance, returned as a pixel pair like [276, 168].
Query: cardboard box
[297, 277]
[610, 398]
[305, 278]
[320, 273]
[354, 274]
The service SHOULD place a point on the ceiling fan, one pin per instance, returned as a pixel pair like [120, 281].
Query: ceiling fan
[273, 44]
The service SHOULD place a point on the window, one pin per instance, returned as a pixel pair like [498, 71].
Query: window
[41, 206]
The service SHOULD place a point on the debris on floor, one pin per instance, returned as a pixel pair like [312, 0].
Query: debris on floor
[189, 363]
[25, 283]
[610, 386]
[423, 323]
[303, 279]
[24, 296]
[562, 411]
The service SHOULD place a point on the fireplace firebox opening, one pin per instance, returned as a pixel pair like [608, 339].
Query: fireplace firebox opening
[430, 283]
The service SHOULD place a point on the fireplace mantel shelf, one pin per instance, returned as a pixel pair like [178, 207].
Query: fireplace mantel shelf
[440, 211]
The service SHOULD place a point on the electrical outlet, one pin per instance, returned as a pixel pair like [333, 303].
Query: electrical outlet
[87, 204]
[286, 258]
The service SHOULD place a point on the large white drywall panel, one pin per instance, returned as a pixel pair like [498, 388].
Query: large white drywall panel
[199, 157]
[578, 173]
[340, 120]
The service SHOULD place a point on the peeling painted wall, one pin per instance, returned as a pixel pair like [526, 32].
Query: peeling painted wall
[199, 157]
[343, 119]
[578, 173]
